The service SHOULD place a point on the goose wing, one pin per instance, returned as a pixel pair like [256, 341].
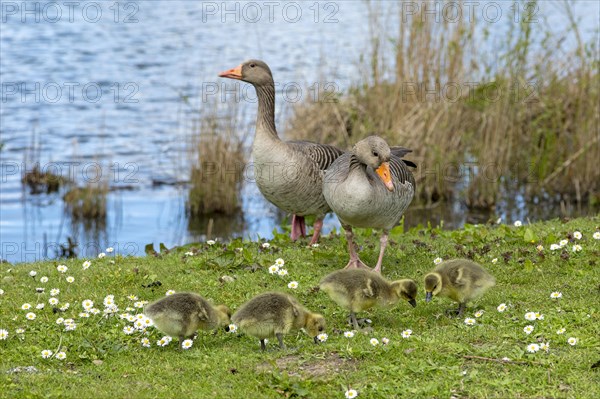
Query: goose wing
[322, 154]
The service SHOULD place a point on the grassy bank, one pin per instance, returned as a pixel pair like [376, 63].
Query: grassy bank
[444, 357]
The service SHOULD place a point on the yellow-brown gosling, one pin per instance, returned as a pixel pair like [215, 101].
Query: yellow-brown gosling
[182, 314]
[460, 280]
[359, 289]
[275, 314]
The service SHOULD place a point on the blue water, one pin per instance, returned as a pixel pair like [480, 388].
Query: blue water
[93, 93]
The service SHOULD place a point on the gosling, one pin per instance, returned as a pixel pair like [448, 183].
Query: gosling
[460, 280]
[182, 314]
[359, 289]
[275, 314]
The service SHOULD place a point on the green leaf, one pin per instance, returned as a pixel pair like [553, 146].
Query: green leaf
[529, 236]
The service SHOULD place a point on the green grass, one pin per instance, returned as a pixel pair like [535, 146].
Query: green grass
[433, 363]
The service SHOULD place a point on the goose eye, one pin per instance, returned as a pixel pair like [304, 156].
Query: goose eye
[252, 65]
[375, 154]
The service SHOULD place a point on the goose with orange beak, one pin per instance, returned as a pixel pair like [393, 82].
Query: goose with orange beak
[370, 187]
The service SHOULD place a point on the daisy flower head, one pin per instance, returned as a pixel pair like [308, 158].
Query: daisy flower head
[577, 248]
[556, 295]
[66, 306]
[109, 250]
[3, 334]
[187, 344]
[273, 269]
[1, 292]
[94, 311]
[562, 243]
[540, 248]
[54, 291]
[528, 329]
[40, 306]
[33, 273]
[70, 279]
[109, 300]
[43, 279]
[266, 245]
[101, 255]
[495, 260]
[25, 306]
[86, 265]
[572, 341]
[518, 223]
[164, 341]
[132, 297]
[554, 247]
[140, 324]
[596, 235]
[138, 304]
[437, 261]
[545, 346]
[532, 348]
[322, 337]
[374, 341]
[293, 285]
[530, 316]
[561, 331]
[539, 316]
[282, 272]
[385, 340]
[470, 321]
[131, 318]
[479, 313]
[145, 342]
[70, 327]
[315, 245]
[128, 330]
[30, 316]
[210, 242]
[349, 334]
[406, 334]
[39, 290]
[351, 394]
[87, 304]
[62, 268]
[189, 253]
[279, 262]
[53, 301]
[83, 315]
[577, 235]
[46, 353]
[169, 292]
[231, 328]
[502, 307]
[61, 356]
[60, 320]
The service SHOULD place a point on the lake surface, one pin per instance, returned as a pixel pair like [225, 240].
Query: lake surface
[109, 90]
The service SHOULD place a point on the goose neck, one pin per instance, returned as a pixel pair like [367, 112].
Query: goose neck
[265, 119]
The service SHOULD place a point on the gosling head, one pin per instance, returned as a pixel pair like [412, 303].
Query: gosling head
[315, 325]
[406, 289]
[433, 285]
[223, 314]
[374, 152]
[252, 71]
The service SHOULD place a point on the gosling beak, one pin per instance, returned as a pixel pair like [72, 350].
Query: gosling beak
[316, 340]
[413, 303]
[235, 73]
[385, 175]
[428, 296]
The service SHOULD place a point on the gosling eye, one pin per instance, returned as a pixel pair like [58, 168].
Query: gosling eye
[435, 286]
[320, 328]
[252, 65]
[375, 154]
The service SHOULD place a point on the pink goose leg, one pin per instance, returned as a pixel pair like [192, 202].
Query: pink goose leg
[317, 226]
[383, 244]
[298, 227]
[355, 262]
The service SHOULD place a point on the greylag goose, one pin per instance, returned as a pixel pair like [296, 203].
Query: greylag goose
[359, 289]
[276, 314]
[182, 314]
[288, 173]
[460, 280]
[370, 186]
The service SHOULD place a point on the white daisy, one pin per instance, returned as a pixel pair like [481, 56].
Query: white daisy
[596, 235]
[561, 331]
[577, 248]
[545, 346]
[139, 304]
[1, 291]
[109, 300]
[469, 321]
[210, 242]
[109, 249]
[374, 341]
[128, 330]
[572, 341]
[351, 394]
[62, 268]
[132, 297]
[3, 334]
[385, 340]
[70, 279]
[562, 243]
[495, 260]
[46, 353]
[145, 342]
[577, 235]
[437, 261]
[43, 279]
[61, 356]
[65, 306]
[54, 291]
[502, 307]
[33, 273]
[60, 320]
[83, 315]
[540, 248]
[86, 265]
[187, 344]
[266, 245]
[30, 316]
[231, 328]
[189, 253]
[556, 295]
[530, 316]
[87, 304]
[40, 306]
[101, 255]
[518, 223]
[26, 306]
[273, 269]
[322, 337]
[554, 247]
[279, 262]
[528, 329]
[539, 316]
[53, 301]
[293, 285]
[349, 334]
[282, 272]
[169, 292]
[532, 348]
[479, 313]
[406, 333]
[315, 245]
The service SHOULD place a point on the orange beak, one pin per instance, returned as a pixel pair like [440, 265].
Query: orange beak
[235, 73]
[385, 175]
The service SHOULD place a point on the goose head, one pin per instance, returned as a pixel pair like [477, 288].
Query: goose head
[255, 72]
[433, 285]
[374, 152]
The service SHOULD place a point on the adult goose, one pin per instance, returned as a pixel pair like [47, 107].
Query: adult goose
[370, 186]
[288, 173]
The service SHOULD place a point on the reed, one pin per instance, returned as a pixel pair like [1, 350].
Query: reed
[479, 129]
